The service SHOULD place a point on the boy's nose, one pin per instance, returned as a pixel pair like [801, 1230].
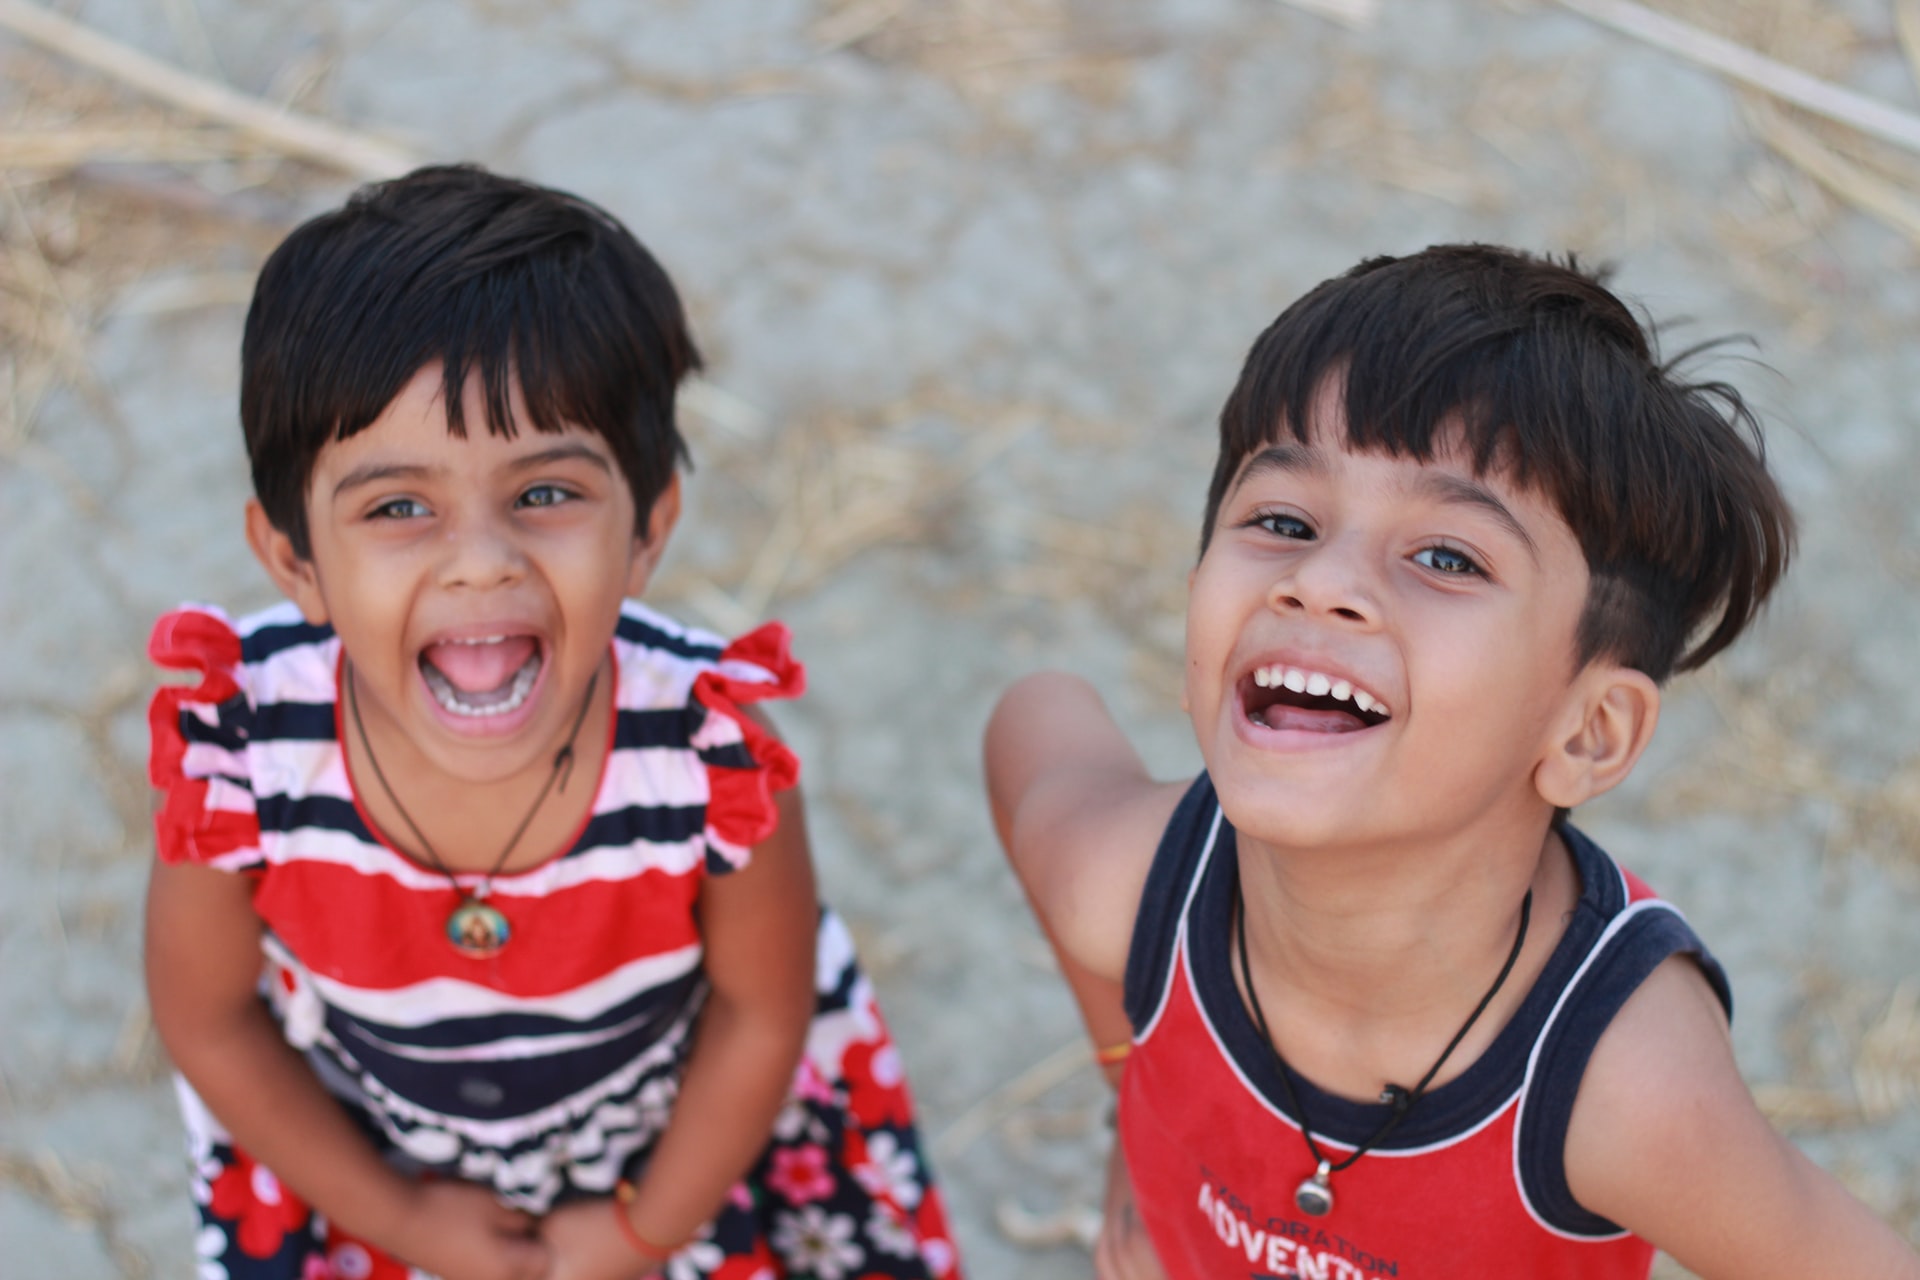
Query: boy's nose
[1331, 581]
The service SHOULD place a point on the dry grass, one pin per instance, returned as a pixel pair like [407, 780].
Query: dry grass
[1764, 762]
[98, 191]
[825, 488]
[989, 47]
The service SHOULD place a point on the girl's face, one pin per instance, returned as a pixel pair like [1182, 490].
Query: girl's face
[474, 582]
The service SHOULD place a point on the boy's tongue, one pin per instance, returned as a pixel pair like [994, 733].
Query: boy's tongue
[1310, 720]
[480, 668]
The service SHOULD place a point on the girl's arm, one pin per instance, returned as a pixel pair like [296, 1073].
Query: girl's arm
[203, 966]
[1666, 1140]
[758, 926]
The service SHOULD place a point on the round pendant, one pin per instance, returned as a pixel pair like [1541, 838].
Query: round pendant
[478, 930]
[1314, 1195]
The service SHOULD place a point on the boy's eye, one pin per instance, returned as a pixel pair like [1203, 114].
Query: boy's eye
[545, 495]
[1279, 522]
[1447, 560]
[398, 509]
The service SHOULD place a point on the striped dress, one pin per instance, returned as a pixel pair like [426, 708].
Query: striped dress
[548, 1070]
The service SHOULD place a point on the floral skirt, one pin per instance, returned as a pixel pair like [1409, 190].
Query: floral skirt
[842, 1192]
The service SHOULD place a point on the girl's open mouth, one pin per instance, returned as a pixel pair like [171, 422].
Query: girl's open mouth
[482, 676]
[1283, 697]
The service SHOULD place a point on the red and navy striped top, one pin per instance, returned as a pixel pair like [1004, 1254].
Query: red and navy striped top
[545, 1068]
[1473, 1182]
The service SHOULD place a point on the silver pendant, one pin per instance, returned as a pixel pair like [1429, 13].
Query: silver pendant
[477, 930]
[1314, 1195]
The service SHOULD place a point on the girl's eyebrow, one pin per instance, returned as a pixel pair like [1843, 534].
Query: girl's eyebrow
[372, 472]
[567, 451]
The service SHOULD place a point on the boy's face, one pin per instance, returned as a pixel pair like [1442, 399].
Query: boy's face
[474, 582]
[1428, 616]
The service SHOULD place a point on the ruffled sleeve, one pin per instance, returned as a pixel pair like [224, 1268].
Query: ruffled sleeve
[745, 764]
[199, 735]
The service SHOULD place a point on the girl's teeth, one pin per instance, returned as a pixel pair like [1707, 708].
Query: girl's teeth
[1295, 681]
[1341, 690]
[1362, 700]
[1317, 685]
[449, 697]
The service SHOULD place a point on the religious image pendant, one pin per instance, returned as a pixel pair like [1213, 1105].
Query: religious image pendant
[478, 930]
[1314, 1195]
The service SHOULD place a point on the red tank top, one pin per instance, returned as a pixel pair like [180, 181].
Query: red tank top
[1470, 1185]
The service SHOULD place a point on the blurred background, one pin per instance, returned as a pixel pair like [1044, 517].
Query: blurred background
[973, 279]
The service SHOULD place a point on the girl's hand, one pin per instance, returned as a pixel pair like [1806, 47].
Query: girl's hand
[458, 1231]
[587, 1244]
[1123, 1251]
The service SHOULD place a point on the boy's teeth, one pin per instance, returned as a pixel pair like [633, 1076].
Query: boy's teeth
[1314, 684]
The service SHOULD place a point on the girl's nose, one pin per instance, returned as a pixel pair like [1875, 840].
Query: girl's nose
[481, 553]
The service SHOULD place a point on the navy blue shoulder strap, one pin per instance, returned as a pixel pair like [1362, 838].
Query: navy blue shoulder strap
[1157, 924]
[1634, 944]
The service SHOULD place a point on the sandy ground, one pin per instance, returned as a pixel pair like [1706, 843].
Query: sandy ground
[973, 280]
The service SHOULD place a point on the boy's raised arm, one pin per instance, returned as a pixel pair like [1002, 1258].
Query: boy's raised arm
[1666, 1140]
[1079, 816]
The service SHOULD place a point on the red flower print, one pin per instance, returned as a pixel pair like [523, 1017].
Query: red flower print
[248, 1192]
[876, 1085]
[935, 1247]
[800, 1174]
[755, 1266]
[350, 1258]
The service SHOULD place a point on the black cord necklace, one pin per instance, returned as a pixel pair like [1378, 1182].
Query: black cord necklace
[1314, 1195]
[476, 927]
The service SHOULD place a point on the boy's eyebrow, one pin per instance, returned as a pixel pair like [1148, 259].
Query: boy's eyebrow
[1460, 491]
[1290, 456]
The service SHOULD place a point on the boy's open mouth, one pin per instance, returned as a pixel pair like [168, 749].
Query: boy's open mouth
[483, 675]
[1283, 697]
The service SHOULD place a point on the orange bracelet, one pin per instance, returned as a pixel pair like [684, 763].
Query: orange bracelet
[623, 1195]
[1113, 1053]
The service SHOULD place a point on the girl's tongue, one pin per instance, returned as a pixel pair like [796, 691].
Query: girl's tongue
[480, 667]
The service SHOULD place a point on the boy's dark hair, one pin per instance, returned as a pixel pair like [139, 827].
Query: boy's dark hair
[1539, 371]
[481, 273]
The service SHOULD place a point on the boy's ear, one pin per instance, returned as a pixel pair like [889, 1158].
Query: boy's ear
[649, 549]
[291, 572]
[1610, 717]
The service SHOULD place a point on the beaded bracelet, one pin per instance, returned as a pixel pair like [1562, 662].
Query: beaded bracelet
[623, 1196]
[1113, 1053]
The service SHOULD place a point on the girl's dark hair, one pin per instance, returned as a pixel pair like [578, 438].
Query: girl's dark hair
[1538, 371]
[484, 274]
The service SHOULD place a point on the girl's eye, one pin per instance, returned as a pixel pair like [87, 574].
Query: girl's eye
[545, 495]
[1448, 561]
[1286, 526]
[398, 509]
